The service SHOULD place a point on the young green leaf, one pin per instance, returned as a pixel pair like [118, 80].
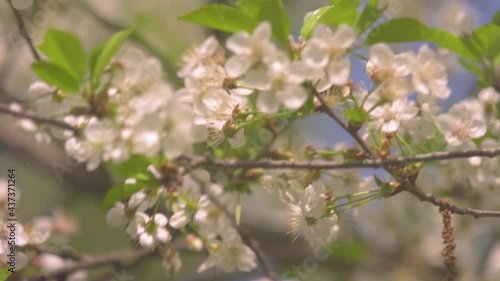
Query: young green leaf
[94, 57]
[339, 12]
[109, 50]
[134, 165]
[65, 50]
[222, 17]
[471, 67]
[56, 75]
[437, 143]
[371, 13]
[356, 116]
[487, 40]
[496, 18]
[118, 193]
[274, 12]
[4, 274]
[411, 30]
[251, 7]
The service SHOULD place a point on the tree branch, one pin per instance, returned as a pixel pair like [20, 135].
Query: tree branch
[411, 187]
[325, 109]
[24, 31]
[122, 258]
[63, 252]
[245, 237]
[52, 122]
[330, 165]
[431, 198]
[168, 66]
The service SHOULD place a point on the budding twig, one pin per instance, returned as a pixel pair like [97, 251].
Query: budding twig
[24, 31]
[326, 109]
[331, 165]
[448, 241]
[35, 118]
[246, 238]
[168, 66]
[125, 258]
[409, 186]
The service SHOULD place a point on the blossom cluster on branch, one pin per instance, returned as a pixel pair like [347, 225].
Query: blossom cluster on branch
[231, 94]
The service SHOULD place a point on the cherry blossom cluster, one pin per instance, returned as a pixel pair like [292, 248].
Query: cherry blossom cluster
[223, 96]
[54, 230]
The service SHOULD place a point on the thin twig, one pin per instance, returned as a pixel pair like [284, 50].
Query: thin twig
[246, 238]
[326, 109]
[24, 32]
[330, 165]
[123, 258]
[431, 198]
[51, 122]
[406, 184]
[448, 236]
[168, 66]
[275, 136]
[63, 252]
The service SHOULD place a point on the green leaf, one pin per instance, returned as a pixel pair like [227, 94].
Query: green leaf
[222, 17]
[437, 143]
[340, 12]
[471, 67]
[274, 12]
[371, 13]
[487, 40]
[134, 165]
[66, 51]
[378, 181]
[356, 116]
[94, 56]
[496, 18]
[411, 30]
[4, 274]
[251, 7]
[104, 56]
[56, 76]
[351, 252]
[119, 193]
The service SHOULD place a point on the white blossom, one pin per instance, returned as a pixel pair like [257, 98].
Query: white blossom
[464, 121]
[325, 51]
[309, 217]
[390, 115]
[390, 71]
[149, 231]
[279, 83]
[248, 49]
[230, 255]
[209, 52]
[429, 75]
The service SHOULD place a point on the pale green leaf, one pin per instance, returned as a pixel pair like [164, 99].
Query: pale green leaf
[55, 75]
[411, 30]
[340, 12]
[65, 50]
[101, 58]
[222, 17]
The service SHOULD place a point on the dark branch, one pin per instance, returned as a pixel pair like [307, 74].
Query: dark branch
[122, 258]
[409, 186]
[24, 32]
[51, 122]
[324, 108]
[431, 198]
[245, 237]
[329, 165]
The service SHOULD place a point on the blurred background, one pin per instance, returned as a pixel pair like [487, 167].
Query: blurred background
[397, 239]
